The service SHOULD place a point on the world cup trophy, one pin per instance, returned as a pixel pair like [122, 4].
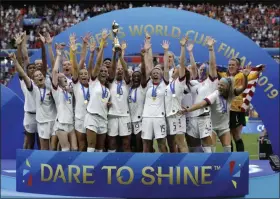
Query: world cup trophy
[115, 30]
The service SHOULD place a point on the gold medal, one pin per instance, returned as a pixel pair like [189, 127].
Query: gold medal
[118, 95]
[85, 102]
[174, 95]
[103, 100]
[154, 98]
[69, 101]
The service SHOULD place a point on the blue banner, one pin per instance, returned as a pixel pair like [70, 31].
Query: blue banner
[172, 24]
[133, 175]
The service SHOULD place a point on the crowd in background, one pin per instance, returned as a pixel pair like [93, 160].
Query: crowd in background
[259, 22]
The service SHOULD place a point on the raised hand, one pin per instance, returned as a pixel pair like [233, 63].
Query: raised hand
[72, 38]
[147, 45]
[92, 46]
[87, 38]
[147, 37]
[48, 38]
[184, 41]
[190, 46]
[59, 47]
[105, 34]
[246, 71]
[210, 42]
[42, 38]
[165, 45]
[123, 45]
[18, 38]
[12, 56]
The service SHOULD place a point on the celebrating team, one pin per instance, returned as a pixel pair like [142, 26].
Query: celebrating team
[96, 109]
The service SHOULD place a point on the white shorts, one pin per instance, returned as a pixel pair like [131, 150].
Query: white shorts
[119, 125]
[199, 127]
[45, 130]
[220, 132]
[63, 127]
[137, 127]
[176, 124]
[29, 122]
[95, 123]
[153, 127]
[79, 125]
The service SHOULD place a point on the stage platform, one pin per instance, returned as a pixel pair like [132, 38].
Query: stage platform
[263, 183]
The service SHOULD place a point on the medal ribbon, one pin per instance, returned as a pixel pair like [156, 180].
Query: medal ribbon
[104, 92]
[119, 88]
[86, 95]
[172, 87]
[135, 95]
[66, 97]
[44, 95]
[224, 103]
[154, 91]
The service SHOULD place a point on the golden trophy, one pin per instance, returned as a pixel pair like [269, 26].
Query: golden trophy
[115, 30]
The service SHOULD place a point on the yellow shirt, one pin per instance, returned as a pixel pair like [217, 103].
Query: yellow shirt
[238, 82]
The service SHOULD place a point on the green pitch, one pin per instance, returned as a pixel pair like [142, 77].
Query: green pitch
[250, 141]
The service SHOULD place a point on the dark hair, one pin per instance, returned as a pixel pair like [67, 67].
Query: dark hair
[188, 78]
[109, 59]
[30, 64]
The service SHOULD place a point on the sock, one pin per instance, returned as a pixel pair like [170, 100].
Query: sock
[90, 149]
[99, 150]
[207, 149]
[65, 149]
[231, 146]
[213, 148]
[239, 145]
[111, 151]
[227, 149]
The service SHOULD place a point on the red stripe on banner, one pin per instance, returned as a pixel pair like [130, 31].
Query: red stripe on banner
[246, 101]
[251, 93]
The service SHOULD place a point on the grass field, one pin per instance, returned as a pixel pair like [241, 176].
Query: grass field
[250, 142]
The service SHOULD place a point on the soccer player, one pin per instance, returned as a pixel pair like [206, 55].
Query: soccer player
[199, 125]
[237, 117]
[45, 106]
[173, 97]
[63, 97]
[119, 121]
[154, 124]
[220, 101]
[29, 121]
[97, 107]
[136, 99]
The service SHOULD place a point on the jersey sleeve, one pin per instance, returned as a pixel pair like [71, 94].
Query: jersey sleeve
[210, 99]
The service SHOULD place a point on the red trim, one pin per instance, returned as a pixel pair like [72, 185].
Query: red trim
[208, 101]
[212, 79]
[182, 78]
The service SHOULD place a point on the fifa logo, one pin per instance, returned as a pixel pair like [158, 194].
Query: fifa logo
[236, 175]
[27, 176]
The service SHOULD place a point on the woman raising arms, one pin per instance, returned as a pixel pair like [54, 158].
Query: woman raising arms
[95, 120]
[63, 97]
[45, 106]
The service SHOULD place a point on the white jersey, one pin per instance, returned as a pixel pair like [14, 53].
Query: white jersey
[220, 109]
[187, 102]
[99, 97]
[64, 105]
[48, 82]
[136, 100]
[119, 101]
[154, 106]
[69, 82]
[173, 96]
[29, 100]
[81, 94]
[199, 91]
[45, 105]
